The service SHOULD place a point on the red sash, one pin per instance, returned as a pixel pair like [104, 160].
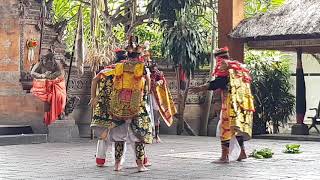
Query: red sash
[52, 92]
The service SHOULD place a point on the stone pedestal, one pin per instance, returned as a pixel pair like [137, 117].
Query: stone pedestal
[64, 130]
[300, 129]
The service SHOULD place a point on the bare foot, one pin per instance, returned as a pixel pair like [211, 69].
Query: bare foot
[221, 161]
[158, 140]
[117, 167]
[142, 169]
[242, 157]
[147, 164]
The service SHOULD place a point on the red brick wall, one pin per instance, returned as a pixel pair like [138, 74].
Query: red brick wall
[22, 110]
[9, 42]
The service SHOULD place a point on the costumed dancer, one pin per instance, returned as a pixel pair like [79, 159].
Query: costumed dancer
[102, 121]
[235, 124]
[161, 100]
[49, 86]
[128, 103]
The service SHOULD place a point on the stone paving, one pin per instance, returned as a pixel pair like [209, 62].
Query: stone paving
[178, 157]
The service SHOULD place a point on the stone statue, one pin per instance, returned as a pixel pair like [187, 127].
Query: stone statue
[47, 68]
[49, 86]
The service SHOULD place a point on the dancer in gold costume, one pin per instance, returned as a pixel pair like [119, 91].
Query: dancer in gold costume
[119, 108]
[235, 124]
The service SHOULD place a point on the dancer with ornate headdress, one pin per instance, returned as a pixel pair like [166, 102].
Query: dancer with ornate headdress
[235, 124]
[102, 121]
[161, 101]
[123, 106]
[128, 102]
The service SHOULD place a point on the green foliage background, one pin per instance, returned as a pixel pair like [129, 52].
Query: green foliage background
[271, 88]
[181, 31]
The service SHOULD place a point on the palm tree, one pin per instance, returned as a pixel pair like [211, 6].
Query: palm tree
[271, 89]
[183, 44]
[254, 7]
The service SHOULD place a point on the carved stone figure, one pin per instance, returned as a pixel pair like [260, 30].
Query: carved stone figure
[49, 86]
[72, 102]
[47, 68]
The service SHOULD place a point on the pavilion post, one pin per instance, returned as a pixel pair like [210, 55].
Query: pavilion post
[230, 14]
[300, 128]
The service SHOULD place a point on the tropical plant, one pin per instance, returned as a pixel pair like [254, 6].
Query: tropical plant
[153, 34]
[101, 19]
[183, 43]
[68, 10]
[271, 88]
[166, 10]
[254, 7]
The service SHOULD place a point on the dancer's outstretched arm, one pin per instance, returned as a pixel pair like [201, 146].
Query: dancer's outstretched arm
[197, 89]
[218, 83]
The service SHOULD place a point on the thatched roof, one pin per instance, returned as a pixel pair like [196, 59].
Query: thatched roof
[295, 20]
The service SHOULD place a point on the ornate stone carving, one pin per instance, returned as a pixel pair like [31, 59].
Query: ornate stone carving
[26, 81]
[49, 12]
[59, 28]
[47, 68]
[199, 79]
[26, 3]
[72, 102]
[80, 86]
[23, 4]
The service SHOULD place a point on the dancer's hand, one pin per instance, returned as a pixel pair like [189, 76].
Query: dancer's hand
[93, 102]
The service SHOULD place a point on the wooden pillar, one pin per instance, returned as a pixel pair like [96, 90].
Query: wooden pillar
[231, 12]
[300, 90]
[300, 128]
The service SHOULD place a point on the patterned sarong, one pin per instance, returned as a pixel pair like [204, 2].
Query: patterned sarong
[101, 117]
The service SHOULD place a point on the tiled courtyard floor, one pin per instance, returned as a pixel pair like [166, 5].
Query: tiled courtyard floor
[178, 157]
